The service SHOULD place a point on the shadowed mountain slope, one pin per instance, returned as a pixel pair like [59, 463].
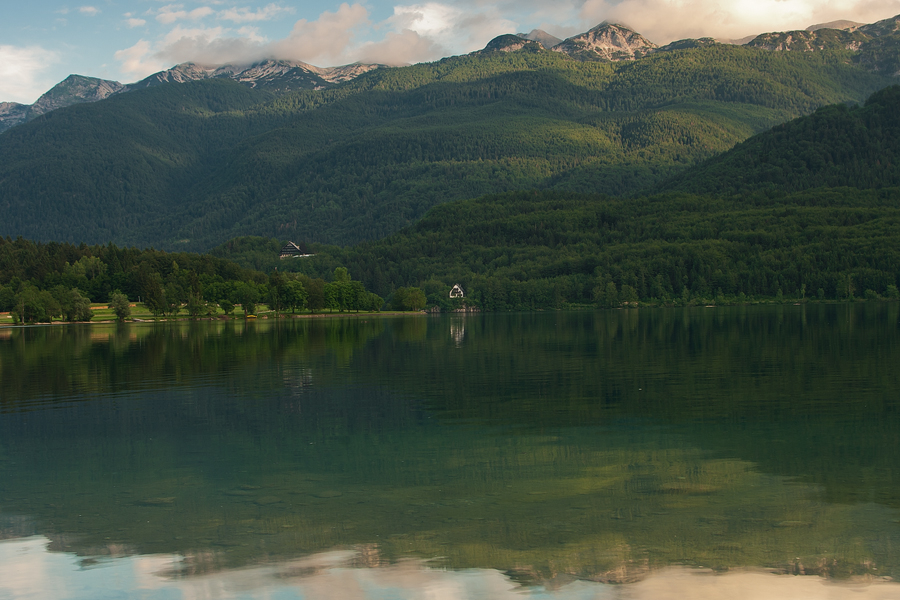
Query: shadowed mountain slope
[835, 146]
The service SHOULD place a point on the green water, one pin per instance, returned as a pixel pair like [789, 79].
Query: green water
[551, 447]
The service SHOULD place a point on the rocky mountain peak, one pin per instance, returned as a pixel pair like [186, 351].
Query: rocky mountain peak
[607, 41]
[75, 89]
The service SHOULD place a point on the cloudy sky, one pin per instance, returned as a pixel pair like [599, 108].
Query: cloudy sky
[43, 41]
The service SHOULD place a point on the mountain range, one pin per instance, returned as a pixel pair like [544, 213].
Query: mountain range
[193, 156]
[605, 42]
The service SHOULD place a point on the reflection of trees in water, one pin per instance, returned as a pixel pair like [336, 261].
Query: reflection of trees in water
[53, 364]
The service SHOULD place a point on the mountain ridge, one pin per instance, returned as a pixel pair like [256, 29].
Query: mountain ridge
[277, 76]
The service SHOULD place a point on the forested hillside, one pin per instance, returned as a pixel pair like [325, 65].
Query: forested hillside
[188, 166]
[101, 172]
[550, 249]
[838, 145]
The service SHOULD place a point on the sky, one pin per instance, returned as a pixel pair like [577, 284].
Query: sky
[43, 41]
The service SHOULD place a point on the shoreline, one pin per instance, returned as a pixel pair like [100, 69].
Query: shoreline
[580, 308]
[265, 317]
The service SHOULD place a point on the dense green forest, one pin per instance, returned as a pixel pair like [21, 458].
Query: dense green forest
[188, 166]
[548, 249]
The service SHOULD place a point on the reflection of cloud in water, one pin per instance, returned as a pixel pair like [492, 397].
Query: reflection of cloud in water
[28, 570]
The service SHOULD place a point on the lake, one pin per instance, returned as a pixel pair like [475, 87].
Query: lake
[703, 452]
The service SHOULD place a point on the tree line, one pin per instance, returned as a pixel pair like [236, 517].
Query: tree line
[42, 282]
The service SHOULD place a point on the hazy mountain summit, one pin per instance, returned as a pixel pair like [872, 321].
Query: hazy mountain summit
[511, 43]
[842, 24]
[541, 37]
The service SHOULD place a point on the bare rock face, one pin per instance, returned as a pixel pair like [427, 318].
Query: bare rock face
[12, 114]
[347, 72]
[278, 76]
[607, 41]
[178, 74]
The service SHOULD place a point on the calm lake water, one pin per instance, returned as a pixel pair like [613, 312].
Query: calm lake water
[750, 452]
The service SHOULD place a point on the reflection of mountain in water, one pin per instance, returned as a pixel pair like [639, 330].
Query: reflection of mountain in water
[588, 446]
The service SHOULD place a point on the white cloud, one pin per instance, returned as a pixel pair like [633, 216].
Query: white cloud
[245, 15]
[175, 12]
[426, 19]
[21, 71]
[400, 48]
[209, 46]
[91, 11]
[325, 41]
[463, 28]
[138, 60]
[665, 20]
[431, 29]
